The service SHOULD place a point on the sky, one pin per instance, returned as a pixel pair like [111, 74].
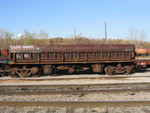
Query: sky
[59, 17]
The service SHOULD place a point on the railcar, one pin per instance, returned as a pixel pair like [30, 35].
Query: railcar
[33, 60]
[4, 62]
[140, 52]
[142, 58]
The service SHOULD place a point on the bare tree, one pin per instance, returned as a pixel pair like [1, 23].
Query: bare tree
[5, 36]
[43, 34]
[136, 38]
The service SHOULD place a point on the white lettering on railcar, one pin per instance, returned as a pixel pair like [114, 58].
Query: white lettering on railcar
[21, 47]
[27, 47]
[15, 47]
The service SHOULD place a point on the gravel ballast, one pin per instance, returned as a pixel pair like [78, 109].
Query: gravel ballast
[101, 109]
[97, 96]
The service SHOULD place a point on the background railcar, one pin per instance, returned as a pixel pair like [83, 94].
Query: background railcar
[4, 62]
[141, 52]
[142, 58]
[31, 60]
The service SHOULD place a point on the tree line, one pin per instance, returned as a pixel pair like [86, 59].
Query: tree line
[42, 38]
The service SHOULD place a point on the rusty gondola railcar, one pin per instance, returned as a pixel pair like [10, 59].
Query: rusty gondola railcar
[32, 60]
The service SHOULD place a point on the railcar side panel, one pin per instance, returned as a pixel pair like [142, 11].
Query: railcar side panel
[78, 54]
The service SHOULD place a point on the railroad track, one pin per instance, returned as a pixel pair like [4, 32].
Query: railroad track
[73, 89]
[78, 92]
[75, 103]
[70, 78]
[60, 78]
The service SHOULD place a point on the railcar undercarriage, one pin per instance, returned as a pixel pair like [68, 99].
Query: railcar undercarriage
[37, 70]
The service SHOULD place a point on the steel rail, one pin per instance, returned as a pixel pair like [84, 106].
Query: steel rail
[73, 88]
[71, 78]
[97, 84]
[76, 85]
[75, 103]
[77, 92]
[51, 79]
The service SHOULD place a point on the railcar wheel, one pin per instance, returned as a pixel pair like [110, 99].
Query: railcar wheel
[128, 70]
[37, 75]
[13, 73]
[7, 67]
[35, 72]
[1, 74]
[110, 70]
[71, 70]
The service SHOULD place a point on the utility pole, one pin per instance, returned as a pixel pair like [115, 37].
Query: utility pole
[75, 38]
[105, 35]
[74, 32]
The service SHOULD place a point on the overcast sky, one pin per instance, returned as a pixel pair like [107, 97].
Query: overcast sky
[59, 17]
